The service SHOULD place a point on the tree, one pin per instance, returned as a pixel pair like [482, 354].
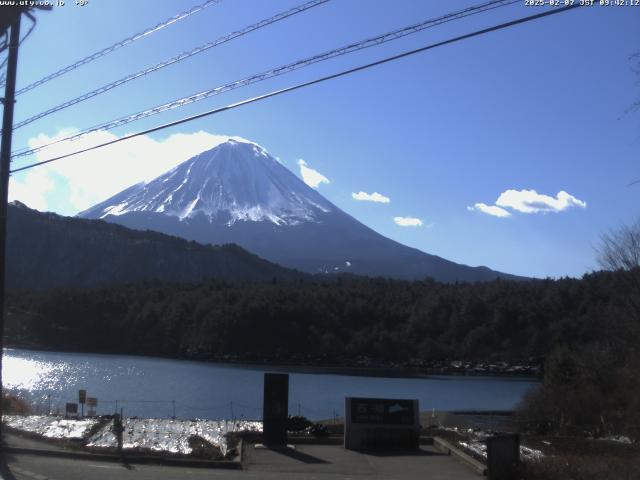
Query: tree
[620, 249]
[635, 68]
[635, 106]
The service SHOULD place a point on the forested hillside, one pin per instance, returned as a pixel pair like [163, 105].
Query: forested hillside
[382, 319]
[45, 250]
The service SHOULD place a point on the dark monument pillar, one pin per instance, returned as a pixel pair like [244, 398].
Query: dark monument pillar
[275, 409]
[503, 457]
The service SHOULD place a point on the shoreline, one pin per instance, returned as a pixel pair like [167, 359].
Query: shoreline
[384, 371]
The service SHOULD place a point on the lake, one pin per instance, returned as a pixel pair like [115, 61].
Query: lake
[161, 388]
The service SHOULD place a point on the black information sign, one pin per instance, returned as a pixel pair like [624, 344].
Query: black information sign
[275, 408]
[376, 411]
[82, 396]
[71, 408]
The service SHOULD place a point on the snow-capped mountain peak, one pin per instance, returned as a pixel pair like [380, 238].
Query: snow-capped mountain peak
[235, 181]
[238, 193]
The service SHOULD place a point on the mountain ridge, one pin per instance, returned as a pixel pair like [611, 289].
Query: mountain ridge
[46, 250]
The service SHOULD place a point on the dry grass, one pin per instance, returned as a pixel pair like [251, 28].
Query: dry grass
[14, 406]
[578, 458]
[583, 467]
[568, 458]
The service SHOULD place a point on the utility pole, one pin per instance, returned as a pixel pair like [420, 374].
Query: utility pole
[5, 163]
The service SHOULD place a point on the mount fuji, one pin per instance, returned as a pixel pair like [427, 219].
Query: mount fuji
[238, 193]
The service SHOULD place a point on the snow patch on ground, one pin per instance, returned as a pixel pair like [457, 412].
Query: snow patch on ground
[480, 448]
[477, 444]
[530, 453]
[158, 435]
[51, 427]
[172, 436]
[618, 439]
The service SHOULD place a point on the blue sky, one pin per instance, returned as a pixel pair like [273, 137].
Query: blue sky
[510, 150]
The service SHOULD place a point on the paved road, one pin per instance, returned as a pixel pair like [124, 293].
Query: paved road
[24, 441]
[321, 462]
[335, 462]
[36, 467]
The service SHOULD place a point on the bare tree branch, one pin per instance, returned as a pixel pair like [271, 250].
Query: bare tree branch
[620, 249]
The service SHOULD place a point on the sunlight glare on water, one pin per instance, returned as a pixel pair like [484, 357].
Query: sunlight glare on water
[30, 374]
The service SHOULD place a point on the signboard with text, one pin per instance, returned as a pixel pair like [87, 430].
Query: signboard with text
[382, 411]
[381, 423]
[92, 403]
[82, 396]
[71, 408]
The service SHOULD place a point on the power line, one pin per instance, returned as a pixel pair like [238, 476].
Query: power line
[360, 45]
[5, 41]
[33, 26]
[175, 59]
[309, 83]
[176, 18]
[3, 44]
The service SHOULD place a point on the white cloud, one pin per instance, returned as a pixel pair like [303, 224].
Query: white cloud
[490, 210]
[31, 190]
[530, 201]
[370, 197]
[96, 175]
[311, 177]
[408, 221]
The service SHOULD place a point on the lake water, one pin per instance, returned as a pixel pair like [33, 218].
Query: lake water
[160, 388]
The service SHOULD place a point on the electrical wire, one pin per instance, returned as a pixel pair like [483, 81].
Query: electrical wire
[4, 43]
[33, 26]
[309, 83]
[281, 70]
[4, 46]
[176, 18]
[175, 59]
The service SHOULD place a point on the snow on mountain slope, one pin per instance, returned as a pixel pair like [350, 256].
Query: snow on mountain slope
[237, 181]
[238, 193]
